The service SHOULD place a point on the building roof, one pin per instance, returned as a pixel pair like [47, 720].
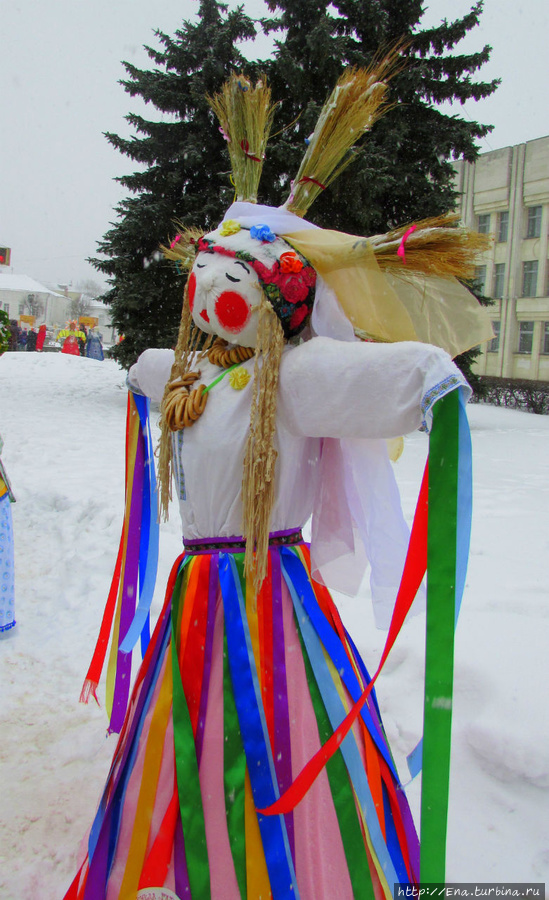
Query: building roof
[24, 284]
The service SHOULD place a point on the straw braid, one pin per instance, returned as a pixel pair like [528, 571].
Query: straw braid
[179, 407]
[258, 480]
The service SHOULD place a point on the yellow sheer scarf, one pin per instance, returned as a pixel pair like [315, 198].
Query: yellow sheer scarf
[385, 306]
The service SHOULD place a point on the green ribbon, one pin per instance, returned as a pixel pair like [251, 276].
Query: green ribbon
[439, 652]
[220, 377]
[188, 783]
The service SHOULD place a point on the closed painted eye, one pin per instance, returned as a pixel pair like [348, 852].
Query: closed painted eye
[230, 277]
[238, 262]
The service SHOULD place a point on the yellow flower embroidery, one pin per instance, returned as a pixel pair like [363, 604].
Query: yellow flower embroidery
[229, 227]
[239, 378]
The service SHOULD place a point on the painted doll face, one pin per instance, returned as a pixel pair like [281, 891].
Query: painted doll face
[224, 297]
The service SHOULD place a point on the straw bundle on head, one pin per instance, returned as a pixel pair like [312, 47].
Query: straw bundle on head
[357, 101]
[246, 115]
[434, 246]
[182, 249]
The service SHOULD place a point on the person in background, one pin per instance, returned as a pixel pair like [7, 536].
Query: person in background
[94, 347]
[32, 338]
[22, 340]
[82, 341]
[70, 337]
[7, 581]
[14, 335]
[41, 337]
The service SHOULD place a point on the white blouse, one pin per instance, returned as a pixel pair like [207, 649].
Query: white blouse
[327, 389]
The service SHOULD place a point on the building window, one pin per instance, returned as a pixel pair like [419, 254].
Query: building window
[529, 278]
[526, 337]
[503, 227]
[484, 223]
[480, 278]
[493, 346]
[6, 307]
[533, 224]
[545, 339]
[499, 280]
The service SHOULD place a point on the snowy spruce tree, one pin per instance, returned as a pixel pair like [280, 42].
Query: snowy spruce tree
[182, 164]
[402, 171]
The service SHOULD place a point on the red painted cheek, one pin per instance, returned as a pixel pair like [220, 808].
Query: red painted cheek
[232, 311]
[191, 285]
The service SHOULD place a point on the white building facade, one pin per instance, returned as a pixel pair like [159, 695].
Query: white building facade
[505, 193]
[20, 295]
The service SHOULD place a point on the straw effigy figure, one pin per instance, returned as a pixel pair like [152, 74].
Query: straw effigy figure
[301, 353]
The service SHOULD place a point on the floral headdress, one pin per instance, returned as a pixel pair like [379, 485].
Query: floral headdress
[288, 284]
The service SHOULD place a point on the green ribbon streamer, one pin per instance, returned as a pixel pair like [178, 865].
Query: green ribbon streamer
[188, 783]
[439, 652]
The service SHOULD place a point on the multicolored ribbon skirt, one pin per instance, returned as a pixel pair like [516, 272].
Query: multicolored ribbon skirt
[235, 694]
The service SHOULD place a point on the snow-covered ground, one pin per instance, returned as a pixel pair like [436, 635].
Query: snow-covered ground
[62, 419]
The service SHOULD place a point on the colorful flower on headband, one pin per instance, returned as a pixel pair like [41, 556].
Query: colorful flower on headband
[290, 262]
[229, 227]
[262, 233]
[175, 240]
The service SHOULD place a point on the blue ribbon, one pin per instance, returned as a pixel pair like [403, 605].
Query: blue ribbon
[295, 572]
[297, 583]
[255, 736]
[149, 537]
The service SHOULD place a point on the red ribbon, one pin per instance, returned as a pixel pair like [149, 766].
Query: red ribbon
[405, 236]
[245, 146]
[96, 666]
[412, 576]
[313, 181]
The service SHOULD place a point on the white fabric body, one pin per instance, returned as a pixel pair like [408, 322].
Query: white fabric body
[328, 390]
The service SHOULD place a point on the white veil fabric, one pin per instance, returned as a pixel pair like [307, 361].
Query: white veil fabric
[357, 516]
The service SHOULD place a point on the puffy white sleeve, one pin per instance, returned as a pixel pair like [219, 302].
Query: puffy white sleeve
[341, 389]
[151, 372]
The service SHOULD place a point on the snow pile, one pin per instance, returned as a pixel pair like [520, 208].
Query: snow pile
[63, 421]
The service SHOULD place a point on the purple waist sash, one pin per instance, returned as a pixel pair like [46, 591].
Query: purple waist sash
[237, 544]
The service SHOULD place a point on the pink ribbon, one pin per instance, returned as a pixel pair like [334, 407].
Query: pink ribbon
[405, 236]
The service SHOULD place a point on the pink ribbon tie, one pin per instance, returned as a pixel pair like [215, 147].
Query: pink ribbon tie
[405, 236]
